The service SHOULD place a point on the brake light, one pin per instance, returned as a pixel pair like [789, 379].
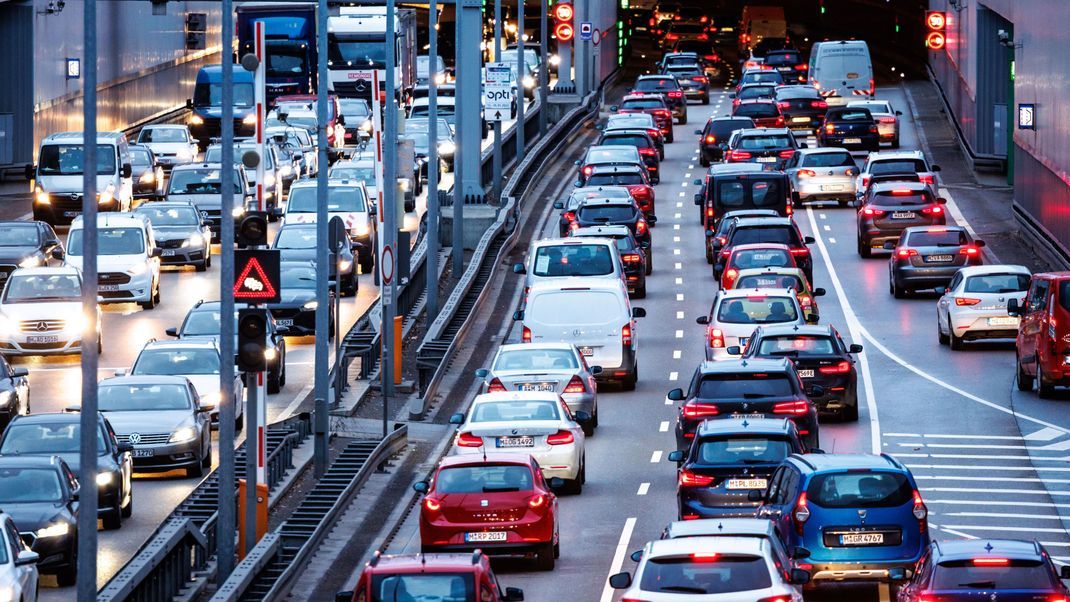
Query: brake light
[775, 599]
[800, 67]
[873, 129]
[654, 133]
[789, 210]
[700, 410]
[432, 504]
[495, 386]
[469, 440]
[801, 252]
[711, 57]
[662, 113]
[905, 253]
[780, 121]
[648, 152]
[991, 561]
[865, 181]
[970, 251]
[703, 37]
[672, 36]
[570, 216]
[575, 386]
[704, 556]
[641, 227]
[690, 479]
[785, 154]
[630, 258]
[902, 192]
[830, 128]
[526, 335]
[675, 94]
[920, 512]
[560, 438]
[730, 277]
[966, 301]
[626, 334]
[871, 212]
[839, 368]
[934, 210]
[887, 119]
[783, 105]
[801, 513]
[926, 179]
[715, 337]
[819, 104]
[537, 501]
[699, 78]
[799, 407]
[806, 173]
[737, 155]
[588, 170]
[710, 139]
[652, 23]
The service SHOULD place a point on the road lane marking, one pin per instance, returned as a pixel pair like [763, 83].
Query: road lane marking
[676, 226]
[997, 528]
[643, 489]
[664, 426]
[1044, 434]
[676, 239]
[679, 334]
[823, 216]
[678, 266]
[679, 296]
[676, 251]
[832, 240]
[687, 176]
[954, 436]
[975, 503]
[1004, 515]
[988, 479]
[674, 376]
[677, 215]
[828, 228]
[679, 315]
[618, 557]
[986, 467]
[682, 194]
[980, 457]
[676, 353]
[679, 281]
[655, 457]
[997, 491]
[679, 204]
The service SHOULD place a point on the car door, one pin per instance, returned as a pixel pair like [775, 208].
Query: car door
[25, 575]
[943, 306]
[1033, 322]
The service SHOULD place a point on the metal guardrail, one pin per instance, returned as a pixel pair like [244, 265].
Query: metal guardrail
[265, 574]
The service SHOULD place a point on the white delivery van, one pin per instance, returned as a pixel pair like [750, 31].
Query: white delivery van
[128, 261]
[842, 71]
[57, 176]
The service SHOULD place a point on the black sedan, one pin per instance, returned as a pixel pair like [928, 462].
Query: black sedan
[58, 434]
[568, 207]
[297, 310]
[40, 494]
[713, 139]
[183, 237]
[14, 392]
[297, 242]
[146, 172]
[25, 244]
[620, 212]
[825, 363]
[803, 107]
[849, 127]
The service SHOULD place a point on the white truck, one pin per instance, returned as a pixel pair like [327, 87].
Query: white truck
[356, 49]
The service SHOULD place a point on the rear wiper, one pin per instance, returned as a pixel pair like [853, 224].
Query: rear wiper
[690, 589]
[499, 489]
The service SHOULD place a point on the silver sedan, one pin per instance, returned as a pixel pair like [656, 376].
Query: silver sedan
[822, 174]
[550, 367]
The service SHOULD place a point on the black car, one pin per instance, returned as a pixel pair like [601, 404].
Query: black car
[146, 173]
[202, 322]
[616, 155]
[25, 244]
[693, 81]
[633, 177]
[669, 89]
[643, 142]
[927, 257]
[615, 212]
[183, 237]
[771, 147]
[58, 434]
[40, 494]
[568, 207]
[737, 388]
[297, 242]
[718, 237]
[776, 230]
[727, 460]
[803, 107]
[736, 189]
[825, 363]
[790, 63]
[849, 127]
[14, 392]
[633, 256]
[713, 138]
[297, 310]
[888, 208]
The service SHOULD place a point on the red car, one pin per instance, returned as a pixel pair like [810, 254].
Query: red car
[467, 577]
[496, 502]
[308, 102]
[1043, 341]
[756, 255]
[651, 104]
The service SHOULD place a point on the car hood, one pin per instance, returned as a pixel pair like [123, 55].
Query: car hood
[166, 421]
[16, 254]
[167, 147]
[72, 184]
[31, 516]
[174, 232]
[108, 263]
[47, 310]
[291, 297]
[351, 218]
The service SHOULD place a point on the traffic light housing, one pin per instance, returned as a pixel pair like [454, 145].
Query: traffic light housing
[252, 230]
[252, 340]
[936, 24]
[564, 30]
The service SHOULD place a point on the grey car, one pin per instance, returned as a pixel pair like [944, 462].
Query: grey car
[161, 417]
[556, 367]
[822, 174]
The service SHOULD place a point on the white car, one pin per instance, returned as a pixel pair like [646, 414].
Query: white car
[561, 259]
[171, 143]
[527, 422]
[712, 569]
[737, 312]
[128, 260]
[346, 199]
[896, 162]
[887, 118]
[198, 361]
[974, 306]
[18, 564]
[41, 312]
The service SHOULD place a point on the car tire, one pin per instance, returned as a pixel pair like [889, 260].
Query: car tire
[895, 142]
[940, 333]
[629, 382]
[1045, 390]
[544, 557]
[956, 343]
[154, 298]
[683, 119]
[557, 550]
[114, 520]
[1023, 380]
[201, 266]
[195, 471]
[128, 511]
[640, 292]
[897, 291]
[100, 345]
[68, 575]
[864, 250]
[351, 287]
[850, 411]
[208, 257]
[239, 421]
[575, 486]
[669, 137]
[367, 261]
[844, 202]
[274, 383]
[703, 161]
[594, 416]
[206, 461]
[706, 99]
[649, 263]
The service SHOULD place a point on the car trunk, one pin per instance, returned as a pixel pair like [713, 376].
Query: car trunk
[534, 380]
[526, 436]
[938, 256]
[849, 129]
[731, 485]
[489, 507]
[880, 535]
[898, 216]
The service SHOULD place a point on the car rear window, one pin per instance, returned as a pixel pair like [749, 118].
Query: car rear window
[843, 159]
[763, 193]
[716, 574]
[897, 166]
[615, 179]
[660, 84]
[784, 235]
[782, 58]
[515, 410]
[860, 489]
[573, 260]
[760, 258]
[423, 586]
[936, 238]
[643, 103]
[797, 345]
[609, 155]
[766, 141]
[742, 450]
[758, 110]
[997, 283]
[772, 77]
[769, 281]
[483, 479]
[536, 359]
[1015, 574]
[850, 115]
[626, 140]
[746, 384]
[905, 196]
[567, 307]
[724, 128]
[756, 92]
[757, 309]
[607, 213]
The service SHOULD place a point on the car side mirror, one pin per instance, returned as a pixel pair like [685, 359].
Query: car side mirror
[808, 240]
[283, 330]
[817, 390]
[172, 332]
[897, 574]
[889, 246]
[559, 205]
[812, 318]
[941, 201]
[934, 168]
[638, 312]
[518, 268]
[698, 132]
[581, 416]
[596, 370]
[518, 315]
[636, 556]
[614, 108]
[155, 252]
[804, 145]
[421, 486]
[819, 292]
[127, 171]
[710, 234]
[28, 558]
[676, 456]
[755, 495]
[801, 577]
[653, 219]
[555, 482]
[482, 372]
[733, 350]
[676, 394]
[457, 418]
[57, 254]
[576, 162]
[19, 372]
[854, 348]
[799, 552]
[941, 290]
[577, 184]
[697, 182]
[698, 198]
[621, 580]
[702, 320]
[898, 113]
[978, 243]
[1064, 572]
[120, 372]
[31, 171]
[1013, 309]
[513, 594]
[125, 448]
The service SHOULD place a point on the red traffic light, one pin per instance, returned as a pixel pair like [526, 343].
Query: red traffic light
[564, 32]
[935, 41]
[564, 12]
[936, 20]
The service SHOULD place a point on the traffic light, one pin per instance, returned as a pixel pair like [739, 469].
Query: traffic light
[252, 340]
[936, 22]
[252, 230]
[563, 28]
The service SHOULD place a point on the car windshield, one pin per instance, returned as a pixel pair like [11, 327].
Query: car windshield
[66, 159]
[364, 174]
[140, 157]
[177, 362]
[936, 238]
[340, 199]
[417, 587]
[298, 277]
[643, 103]
[202, 322]
[110, 241]
[660, 84]
[169, 216]
[745, 385]
[742, 450]
[211, 95]
[716, 574]
[28, 288]
[29, 486]
[765, 142]
[445, 109]
[757, 309]
[354, 107]
[615, 179]
[285, 58]
[515, 410]
[835, 159]
[607, 213]
[296, 238]
[198, 181]
[627, 120]
[536, 359]
[897, 166]
[19, 235]
[1015, 574]
[46, 438]
[905, 196]
[997, 283]
[573, 260]
[485, 478]
[143, 398]
[860, 489]
[763, 193]
[760, 258]
[800, 345]
[162, 135]
[784, 235]
[769, 281]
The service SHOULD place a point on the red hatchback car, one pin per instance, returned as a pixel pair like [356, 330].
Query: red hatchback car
[496, 502]
[466, 577]
[756, 255]
[1043, 342]
[651, 104]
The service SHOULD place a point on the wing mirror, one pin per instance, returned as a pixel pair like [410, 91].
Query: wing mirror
[636, 556]
[156, 252]
[808, 240]
[57, 254]
[27, 558]
[801, 577]
[518, 315]
[457, 418]
[421, 487]
[702, 320]
[19, 372]
[804, 145]
[755, 495]
[819, 292]
[31, 171]
[518, 268]
[576, 162]
[1013, 309]
[854, 348]
[733, 350]
[1064, 572]
[889, 246]
[582, 416]
[346, 596]
[653, 219]
[895, 574]
[978, 243]
[614, 108]
[555, 482]
[698, 198]
[817, 390]
[676, 394]
[120, 372]
[676, 456]
[941, 201]
[638, 312]
[125, 448]
[172, 332]
[482, 373]
[620, 580]
[697, 182]
[596, 370]
[513, 594]
[559, 205]
[934, 168]
[127, 171]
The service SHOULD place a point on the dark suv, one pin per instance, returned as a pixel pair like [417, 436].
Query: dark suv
[643, 142]
[849, 127]
[633, 177]
[610, 212]
[729, 188]
[713, 139]
[803, 107]
[569, 206]
[669, 89]
[888, 208]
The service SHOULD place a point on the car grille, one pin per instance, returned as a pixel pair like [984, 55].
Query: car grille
[66, 202]
[41, 325]
[113, 278]
[116, 294]
[146, 438]
[170, 244]
[360, 88]
[38, 346]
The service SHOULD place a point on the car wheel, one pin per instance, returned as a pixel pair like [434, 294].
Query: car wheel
[640, 292]
[940, 331]
[352, 286]
[630, 380]
[844, 202]
[544, 557]
[895, 143]
[706, 99]
[683, 118]
[114, 519]
[557, 550]
[1045, 388]
[274, 382]
[195, 471]
[703, 161]
[201, 266]
[1023, 380]
[956, 343]
[154, 298]
[208, 257]
[100, 345]
[864, 250]
[128, 511]
[669, 138]
[850, 412]
[649, 262]
[206, 461]
[594, 416]
[897, 291]
[367, 261]
[68, 575]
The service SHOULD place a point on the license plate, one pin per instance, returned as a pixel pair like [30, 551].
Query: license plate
[586, 351]
[765, 282]
[48, 338]
[746, 414]
[168, 253]
[286, 322]
[108, 287]
[767, 159]
[522, 441]
[1003, 321]
[536, 387]
[144, 453]
[939, 258]
[806, 373]
[800, 120]
[485, 536]
[832, 188]
[71, 213]
[852, 141]
[746, 484]
[861, 539]
[904, 215]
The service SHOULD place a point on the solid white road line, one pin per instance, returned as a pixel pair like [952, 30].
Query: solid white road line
[976, 503]
[997, 528]
[618, 557]
[988, 479]
[994, 491]
[1004, 515]
[978, 457]
[950, 436]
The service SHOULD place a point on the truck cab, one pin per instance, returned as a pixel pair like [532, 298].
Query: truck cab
[467, 577]
[290, 44]
[206, 106]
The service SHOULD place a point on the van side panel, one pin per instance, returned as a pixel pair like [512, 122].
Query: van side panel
[842, 71]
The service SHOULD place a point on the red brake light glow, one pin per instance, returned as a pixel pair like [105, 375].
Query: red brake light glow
[839, 368]
[704, 557]
[799, 407]
[966, 301]
[640, 227]
[469, 440]
[626, 334]
[537, 501]
[690, 479]
[871, 212]
[526, 336]
[920, 511]
[560, 438]
[495, 386]
[970, 251]
[905, 253]
[715, 337]
[806, 173]
[432, 504]
[801, 513]
[699, 410]
[991, 561]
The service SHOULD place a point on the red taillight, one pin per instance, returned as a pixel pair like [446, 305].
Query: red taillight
[703, 37]
[779, 122]
[626, 334]
[920, 511]
[839, 368]
[800, 67]
[672, 36]
[991, 561]
[737, 155]
[789, 210]
[432, 504]
[495, 386]
[526, 335]
[905, 253]
[775, 599]
[560, 438]
[575, 386]
[934, 210]
[631, 258]
[570, 216]
[830, 128]
[871, 212]
[819, 104]
[700, 410]
[730, 277]
[537, 501]
[805, 301]
[865, 181]
[710, 138]
[711, 57]
[965, 301]
[783, 105]
[690, 479]
[641, 227]
[699, 78]
[469, 440]
[873, 129]
[806, 173]
[926, 179]
[588, 170]
[654, 133]
[675, 94]
[662, 113]
[715, 337]
[652, 23]
[785, 154]
[801, 514]
[704, 556]
[800, 252]
[799, 407]
[649, 152]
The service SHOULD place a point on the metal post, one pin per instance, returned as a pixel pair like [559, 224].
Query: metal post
[431, 269]
[228, 522]
[252, 394]
[254, 444]
[390, 188]
[468, 185]
[544, 69]
[520, 71]
[581, 15]
[87, 514]
[322, 268]
[496, 160]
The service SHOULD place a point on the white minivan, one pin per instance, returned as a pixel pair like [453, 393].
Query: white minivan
[128, 260]
[57, 176]
[592, 313]
[842, 71]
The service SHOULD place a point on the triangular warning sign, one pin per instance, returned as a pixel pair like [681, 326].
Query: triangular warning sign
[253, 284]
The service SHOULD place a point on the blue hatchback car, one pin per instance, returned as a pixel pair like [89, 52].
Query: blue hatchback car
[847, 517]
[986, 569]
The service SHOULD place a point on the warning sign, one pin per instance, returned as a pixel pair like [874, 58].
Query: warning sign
[258, 275]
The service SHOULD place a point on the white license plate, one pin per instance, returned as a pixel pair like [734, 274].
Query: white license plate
[71, 213]
[861, 539]
[767, 159]
[486, 536]
[939, 258]
[48, 338]
[522, 441]
[168, 253]
[746, 414]
[852, 141]
[904, 215]
[806, 373]
[286, 322]
[536, 387]
[144, 453]
[746, 484]
[108, 287]
[1003, 321]
[586, 351]
[800, 120]
[832, 188]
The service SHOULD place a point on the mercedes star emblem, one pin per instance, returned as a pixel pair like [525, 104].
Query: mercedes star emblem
[135, 438]
[42, 326]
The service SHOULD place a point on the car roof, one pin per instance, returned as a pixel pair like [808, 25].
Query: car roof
[149, 379]
[182, 344]
[721, 527]
[569, 241]
[751, 246]
[641, 96]
[490, 457]
[735, 426]
[824, 150]
[115, 219]
[898, 184]
[37, 461]
[763, 131]
[719, 169]
[896, 154]
[822, 462]
[64, 270]
[689, 545]
[593, 231]
[164, 126]
[611, 201]
[516, 396]
[331, 182]
[76, 137]
[997, 268]
[163, 204]
[423, 563]
[757, 222]
[620, 191]
[52, 418]
[966, 549]
[951, 228]
[653, 76]
[735, 366]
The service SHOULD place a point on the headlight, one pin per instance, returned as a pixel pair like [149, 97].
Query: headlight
[42, 197]
[269, 180]
[446, 148]
[137, 269]
[148, 177]
[367, 125]
[194, 241]
[529, 82]
[238, 211]
[54, 530]
[196, 120]
[270, 354]
[555, 60]
[5, 398]
[344, 265]
[313, 304]
[30, 262]
[185, 155]
[103, 478]
[212, 400]
[183, 435]
[249, 119]
[76, 323]
[107, 196]
[440, 78]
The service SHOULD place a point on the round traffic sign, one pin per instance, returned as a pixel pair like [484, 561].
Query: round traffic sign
[563, 32]
[936, 20]
[563, 12]
[387, 264]
[935, 41]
